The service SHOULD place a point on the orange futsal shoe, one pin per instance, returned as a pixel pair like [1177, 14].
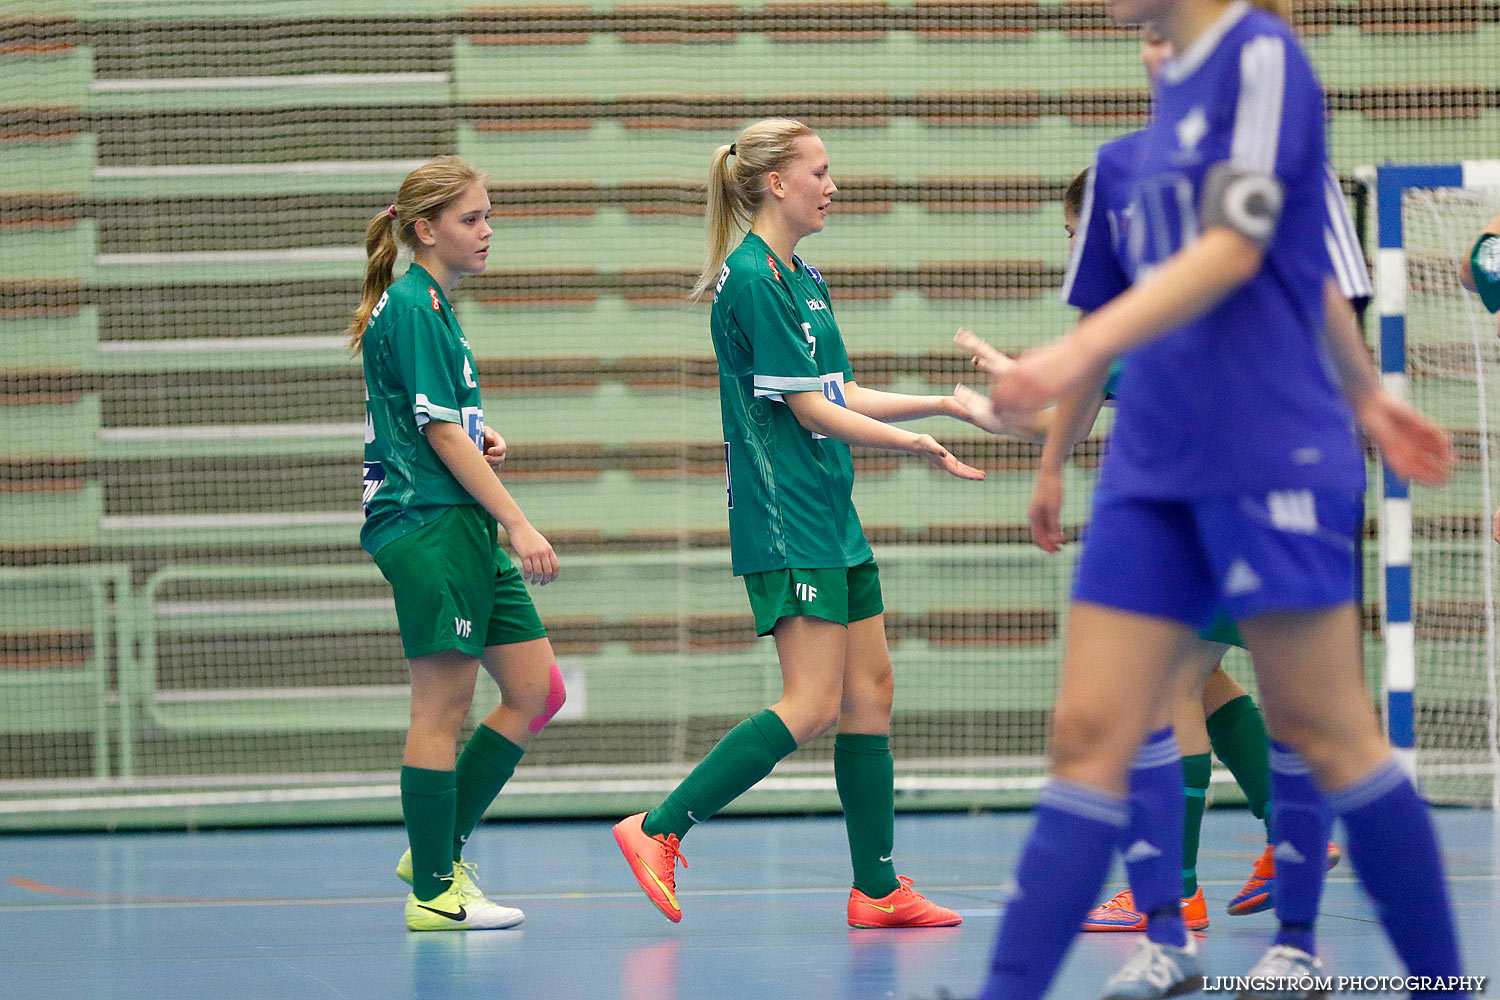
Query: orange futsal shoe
[653, 861]
[1120, 914]
[1259, 892]
[903, 908]
[1195, 911]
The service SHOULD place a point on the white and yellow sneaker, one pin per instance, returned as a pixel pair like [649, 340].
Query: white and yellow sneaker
[462, 906]
[458, 910]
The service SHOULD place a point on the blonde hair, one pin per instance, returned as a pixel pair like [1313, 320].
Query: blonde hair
[1281, 8]
[736, 186]
[426, 193]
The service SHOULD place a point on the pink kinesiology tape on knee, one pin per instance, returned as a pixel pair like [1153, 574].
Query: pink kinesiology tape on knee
[556, 695]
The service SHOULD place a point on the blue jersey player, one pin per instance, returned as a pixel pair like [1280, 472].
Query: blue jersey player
[1302, 821]
[1209, 707]
[1232, 482]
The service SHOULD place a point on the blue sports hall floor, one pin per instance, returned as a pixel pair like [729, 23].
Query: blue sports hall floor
[317, 913]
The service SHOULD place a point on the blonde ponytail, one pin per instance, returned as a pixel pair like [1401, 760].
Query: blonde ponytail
[425, 194]
[736, 186]
[721, 221]
[380, 267]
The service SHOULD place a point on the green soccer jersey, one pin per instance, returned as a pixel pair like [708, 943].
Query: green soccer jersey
[790, 490]
[418, 368]
[1484, 264]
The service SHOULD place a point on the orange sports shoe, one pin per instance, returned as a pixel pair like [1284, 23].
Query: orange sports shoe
[906, 907]
[1120, 914]
[1259, 892]
[1195, 911]
[653, 861]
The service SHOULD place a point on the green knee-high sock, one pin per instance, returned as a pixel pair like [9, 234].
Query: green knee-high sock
[427, 799]
[1196, 769]
[484, 767]
[865, 776]
[1238, 734]
[744, 756]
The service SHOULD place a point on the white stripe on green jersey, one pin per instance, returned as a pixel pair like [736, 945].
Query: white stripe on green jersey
[789, 490]
[418, 368]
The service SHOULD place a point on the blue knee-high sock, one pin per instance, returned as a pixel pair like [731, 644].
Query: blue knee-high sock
[1395, 853]
[1061, 871]
[1300, 823]
[1152, 845]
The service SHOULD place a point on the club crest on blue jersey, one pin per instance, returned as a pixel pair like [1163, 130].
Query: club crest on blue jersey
[1190, 131]
[812, 272]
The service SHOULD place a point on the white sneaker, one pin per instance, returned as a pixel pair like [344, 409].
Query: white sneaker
[459, 909]
[1157, 971]
[1289, 974]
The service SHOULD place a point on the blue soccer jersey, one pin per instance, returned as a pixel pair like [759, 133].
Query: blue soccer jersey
[1243, 398]
[1095, 273]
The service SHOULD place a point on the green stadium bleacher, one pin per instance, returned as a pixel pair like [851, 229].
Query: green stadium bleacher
[67, 340]
[49, 73]
[60, 646]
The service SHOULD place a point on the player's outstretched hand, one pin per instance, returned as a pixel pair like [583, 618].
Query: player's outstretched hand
[1044, 512]
[979, 411]
[1412, 445]
[494, 448]
[539, 564]
[1038, 378]
[941, 458]
[983, 355]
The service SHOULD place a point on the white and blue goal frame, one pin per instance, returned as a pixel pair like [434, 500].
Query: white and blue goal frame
[1391, 181]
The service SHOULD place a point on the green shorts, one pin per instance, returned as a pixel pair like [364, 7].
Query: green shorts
[1222, 629]
[836, 595]
[456, 588]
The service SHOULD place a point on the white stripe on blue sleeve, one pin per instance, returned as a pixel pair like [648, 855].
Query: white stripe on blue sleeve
[1257, 117]
[1343, 243]
[1340, 263]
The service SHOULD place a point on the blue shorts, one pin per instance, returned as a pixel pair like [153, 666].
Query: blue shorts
[1247, 555]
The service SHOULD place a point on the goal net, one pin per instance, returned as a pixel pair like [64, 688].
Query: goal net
[1440, 624]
